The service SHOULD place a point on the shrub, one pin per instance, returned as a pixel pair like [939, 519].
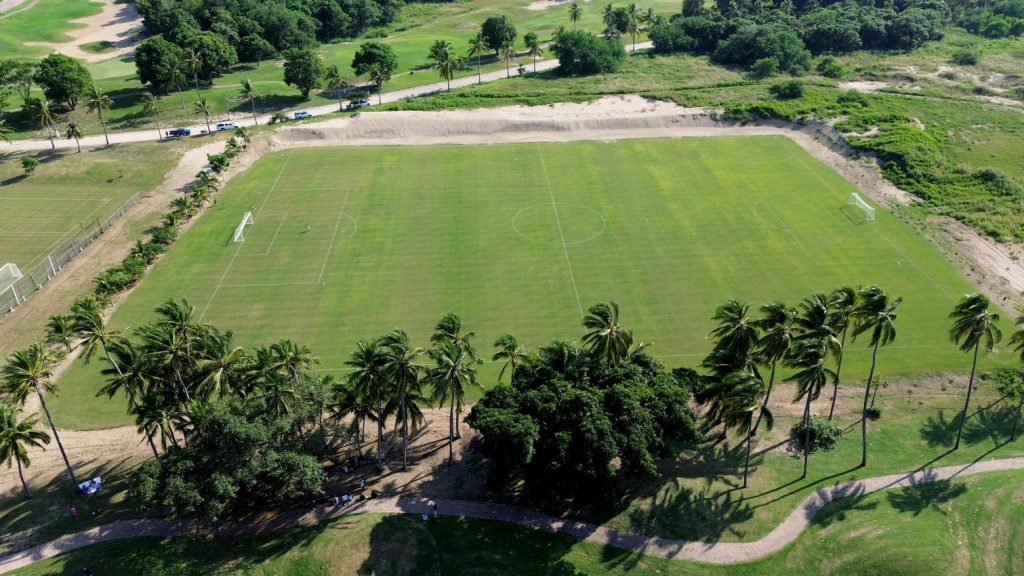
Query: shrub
[165, 235]
[829, 67]
[853, 98]
[218, 162]
[874, 413]
[765, 67]
[278, 117]
[581, 53]
[823, 434]
[668, 38]
[29, 165]
[964, 58]
[788, 90]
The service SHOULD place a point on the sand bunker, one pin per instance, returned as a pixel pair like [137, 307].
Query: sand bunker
[545, 4]
[118, 24]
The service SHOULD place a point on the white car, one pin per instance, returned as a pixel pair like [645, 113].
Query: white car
[226, 126]
[302, 114]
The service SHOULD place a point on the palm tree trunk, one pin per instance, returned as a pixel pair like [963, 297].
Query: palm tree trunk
[159, 132]
[104, 125]
[196, 77]
[174, 439]
[67, 464]
[181, 96]
[1016, 420]
[451, 430]
[380, 433]
[208, 129]
[79, 144]
[864, 411]
[24, 485]
[508, 71]
[479, 76]
[252, 101]
[405, 435]
[767, 395]
[835, 383]
[967, 402]
[380, 96]
[807, 432]
[111, 360]
[149, 437]
[534, 63]
[746, 466]
[177, 372]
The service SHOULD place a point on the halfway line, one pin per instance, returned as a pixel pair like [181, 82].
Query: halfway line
[334, 235]
[558, 221]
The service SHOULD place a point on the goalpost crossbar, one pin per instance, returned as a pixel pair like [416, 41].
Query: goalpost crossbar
[9, 276]
[857, 201]
[239, 235]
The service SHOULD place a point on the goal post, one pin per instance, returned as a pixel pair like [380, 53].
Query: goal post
[859, 203]
[9, 275]
[239, 235]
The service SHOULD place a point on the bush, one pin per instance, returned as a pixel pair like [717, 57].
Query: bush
[165, 235]
[218, 162]
[823, 434]
[874, 413]
[853, 98]
[765, 67]
[964, 58]
[278, 117]
[29, 165]
[581, 53]
[788, 90]
[829, 67]
[755, 42]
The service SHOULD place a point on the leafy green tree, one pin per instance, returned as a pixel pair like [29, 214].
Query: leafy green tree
[581, 53]
[214, 51]
[511, 353]
[693, 7]
[376, 61]
[63, 79]
[155, 58]
[348, 400]
[756, 41]
[253, 48]
[875, 313]
[155, 415]
[29, 165]
[533, 47]
[973, 325]
[447, 63]
[291, 360]
[203, 107]
[29, 370]
[73, 131]
[369, 361]
[151, 105]
[222, 368]
[498, 32]
[249, 94]
[16, 436]
[477, 48]
[303, 69]
[98, 102]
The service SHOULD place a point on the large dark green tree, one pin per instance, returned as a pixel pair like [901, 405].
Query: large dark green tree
[63, 79]
[303, 69]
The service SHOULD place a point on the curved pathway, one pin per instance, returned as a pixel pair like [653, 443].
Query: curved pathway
[711, 552]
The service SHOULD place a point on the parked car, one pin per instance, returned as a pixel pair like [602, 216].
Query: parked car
[357, 104]
[302, 114]
[226, 126]
[179, 132]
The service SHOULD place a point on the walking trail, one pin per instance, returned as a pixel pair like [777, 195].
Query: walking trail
[711, 552]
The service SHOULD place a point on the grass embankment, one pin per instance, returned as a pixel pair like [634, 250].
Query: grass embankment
[957, 527]
[398, 236]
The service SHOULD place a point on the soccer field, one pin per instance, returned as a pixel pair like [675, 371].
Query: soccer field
[349, 243]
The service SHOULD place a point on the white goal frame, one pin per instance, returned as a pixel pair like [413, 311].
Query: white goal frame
[239, 235]
[856, 200]
[9, 276]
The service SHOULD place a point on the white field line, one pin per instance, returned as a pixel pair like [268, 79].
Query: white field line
[239, 248]
[268, 284]
[558, 221]
[823, 181]
[781, 221]
[274, 239]
[334, 235]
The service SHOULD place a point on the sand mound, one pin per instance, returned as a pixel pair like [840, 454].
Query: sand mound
[118, 23]
[545, 4]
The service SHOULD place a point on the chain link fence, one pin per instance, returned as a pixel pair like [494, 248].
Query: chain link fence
[34, 278]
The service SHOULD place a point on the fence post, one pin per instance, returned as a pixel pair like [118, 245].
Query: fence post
[49, 258]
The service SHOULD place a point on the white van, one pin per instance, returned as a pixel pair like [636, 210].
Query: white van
[226, 126]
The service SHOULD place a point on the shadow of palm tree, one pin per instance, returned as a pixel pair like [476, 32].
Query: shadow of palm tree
[940, 431]
[928, 492]
[690, 515]
[851, 498]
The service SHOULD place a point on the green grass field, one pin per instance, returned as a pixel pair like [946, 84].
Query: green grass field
[46, 21]
[959, 527]
[521, 238]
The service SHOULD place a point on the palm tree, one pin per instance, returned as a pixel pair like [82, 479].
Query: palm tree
[776, 326]
[137, 375]
[39, 110]
[369, 379]
[744, 396]
[222, 368]
[248, 94]
[291, 359]
[5, 130]
[508, 54]
[201, 105]
[150, 105]
[90, 327]
[1018, 343]
[403, 372]
[379, 75]
[455, 371]
[349, 401]
[153, 414]
[277, 394]
[192, 64]
[575, 12]
[634, 29]
[450, 329]
[875, 313]
[973, 323]
[693, 7]
[510, 352]
[448, 67]
[843, 307]
[735, 332]
[809, 361]
[170, 351]
[534, 50]
[477, 48]
[60, 329]
[99, 102]
[440, 50]
[15, 436]
[606, 338]
[75, 132]
[609, 19]
[28, 370]
[335, 82]
[175, 75]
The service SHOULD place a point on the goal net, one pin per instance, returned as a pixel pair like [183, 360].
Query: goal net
[857, 202]
[9, 274]
[239, 235]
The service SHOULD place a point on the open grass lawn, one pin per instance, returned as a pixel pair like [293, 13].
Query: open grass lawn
[70, 190]
[970, 526]
[352, 242]
[45, 22]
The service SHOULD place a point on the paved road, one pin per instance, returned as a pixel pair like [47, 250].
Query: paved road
[712, 552]
[241, 119]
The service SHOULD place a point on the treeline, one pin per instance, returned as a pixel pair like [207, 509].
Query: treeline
[786, 36]
[999, 20]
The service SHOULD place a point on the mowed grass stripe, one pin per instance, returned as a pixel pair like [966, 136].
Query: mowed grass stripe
[667, 228]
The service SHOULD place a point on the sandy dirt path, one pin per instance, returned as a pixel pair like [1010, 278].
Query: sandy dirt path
[714, 553]
[119, 24]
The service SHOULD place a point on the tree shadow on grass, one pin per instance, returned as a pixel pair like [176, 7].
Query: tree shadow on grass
[927, 492]
[690, 515]
[852, 498]
[985, 423]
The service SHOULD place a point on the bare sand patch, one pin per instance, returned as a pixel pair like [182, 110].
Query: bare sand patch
[545, 4]
[863, 86]
[119, 24]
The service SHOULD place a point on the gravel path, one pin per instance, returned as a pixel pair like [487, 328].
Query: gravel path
[715, 553]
